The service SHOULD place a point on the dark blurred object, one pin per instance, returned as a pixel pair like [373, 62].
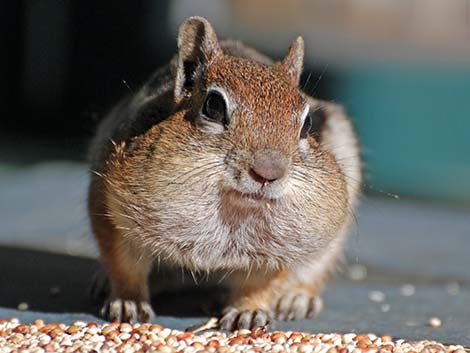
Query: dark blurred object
[63, 62]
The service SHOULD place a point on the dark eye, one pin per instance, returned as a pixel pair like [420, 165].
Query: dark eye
[313, 124]
[214, 108]
[306, 127]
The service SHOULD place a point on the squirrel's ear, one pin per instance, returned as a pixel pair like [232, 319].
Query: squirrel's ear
[294, 60]
[197, 47]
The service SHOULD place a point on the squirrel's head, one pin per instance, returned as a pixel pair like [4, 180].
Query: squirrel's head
[235, 175]
[257, 109]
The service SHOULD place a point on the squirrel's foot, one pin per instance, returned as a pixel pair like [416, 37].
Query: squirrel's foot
[234, 319]
[121, 310]
[297, 306]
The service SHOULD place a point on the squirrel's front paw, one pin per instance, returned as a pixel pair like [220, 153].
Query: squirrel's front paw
[234, 319]
[121, 310]
[298, 306]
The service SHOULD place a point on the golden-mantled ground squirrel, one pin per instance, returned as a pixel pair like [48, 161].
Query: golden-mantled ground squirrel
[220, 162]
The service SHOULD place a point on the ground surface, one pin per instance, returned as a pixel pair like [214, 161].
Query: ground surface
[399, 242]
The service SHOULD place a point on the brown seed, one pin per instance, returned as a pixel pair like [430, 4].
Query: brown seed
[279, 338]
[72, 329]
[156, 328]
[107, 330]
[213, 343]
[362, 343]
[296, 335]
[197, 345]
[48, 328]
[23, 329]
[236, 340]
[258, 331]
[184, 336]
[39, 323]
[56, 332]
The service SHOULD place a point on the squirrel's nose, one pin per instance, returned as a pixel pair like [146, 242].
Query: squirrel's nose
[268, 167]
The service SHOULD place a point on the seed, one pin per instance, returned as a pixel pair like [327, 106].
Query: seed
[385, 308]
[56, 332]
[125, 336]
[407, 290]
[236, 340]
[23, 306]
[23, 329]
[357, 272]
[453, 288]
[49, 348]
[54, 291]
[305, 348]
[348, 337]
[279, 338]
[125, 327]
[156, 328]
[435, 322]
[362, 344]
[165, 349]
[79, 323]
[54, 337]
[376, 296]
[72, 329]
[184, 336]
[39, 323]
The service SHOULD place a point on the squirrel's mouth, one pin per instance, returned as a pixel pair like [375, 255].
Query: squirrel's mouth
[253, 198]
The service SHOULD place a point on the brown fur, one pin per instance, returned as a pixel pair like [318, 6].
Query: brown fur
[170, 185]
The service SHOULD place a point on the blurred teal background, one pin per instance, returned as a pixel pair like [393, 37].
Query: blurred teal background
[414, 127]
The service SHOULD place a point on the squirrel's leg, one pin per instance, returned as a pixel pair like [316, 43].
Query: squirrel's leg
[297, 301]
[127, 269]
[251, 299]
[290, 294]
[299, 296]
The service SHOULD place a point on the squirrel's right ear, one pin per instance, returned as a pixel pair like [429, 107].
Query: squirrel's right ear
[197, 48]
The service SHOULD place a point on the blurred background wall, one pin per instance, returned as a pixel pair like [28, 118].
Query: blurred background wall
[401, 68]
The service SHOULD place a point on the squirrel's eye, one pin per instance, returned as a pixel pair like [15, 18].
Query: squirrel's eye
[214, 108]
[306, 127]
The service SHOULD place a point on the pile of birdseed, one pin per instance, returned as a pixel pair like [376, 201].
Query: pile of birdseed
[114, 337]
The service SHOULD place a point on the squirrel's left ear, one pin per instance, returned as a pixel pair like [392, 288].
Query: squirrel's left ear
[293, 62]
[197, 48]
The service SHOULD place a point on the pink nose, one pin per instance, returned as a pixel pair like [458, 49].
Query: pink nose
[268, 167]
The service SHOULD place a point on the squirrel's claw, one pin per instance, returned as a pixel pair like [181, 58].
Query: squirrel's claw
[127, 311]
[298, 306]
[234, 319]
